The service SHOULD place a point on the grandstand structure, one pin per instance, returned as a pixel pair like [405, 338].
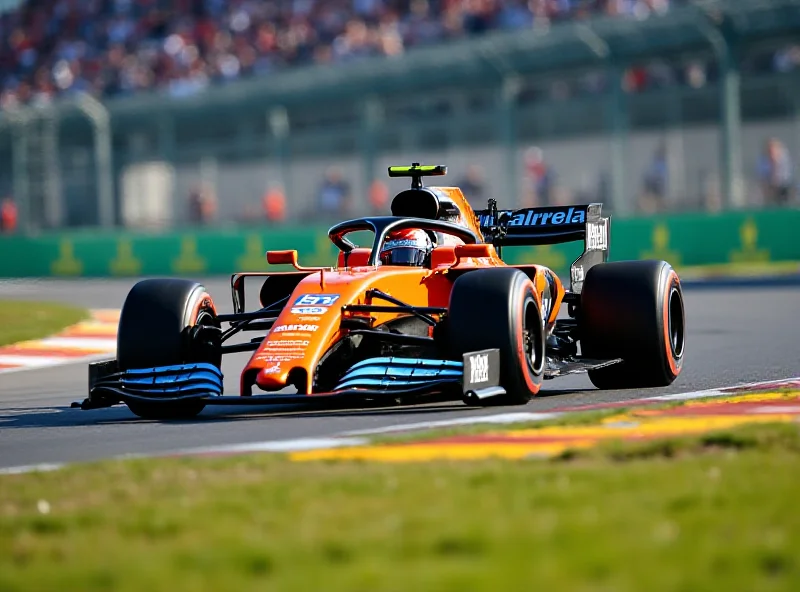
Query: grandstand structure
[600, 100]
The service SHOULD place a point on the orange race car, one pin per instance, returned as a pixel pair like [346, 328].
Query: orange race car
[428, 309]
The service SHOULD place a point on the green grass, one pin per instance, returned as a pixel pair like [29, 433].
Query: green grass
[23, 320]
[717, 512]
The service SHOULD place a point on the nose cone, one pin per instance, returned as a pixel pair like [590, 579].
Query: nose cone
[272, 378]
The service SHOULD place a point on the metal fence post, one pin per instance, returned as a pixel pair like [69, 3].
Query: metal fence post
[372, 116]
[617, 104]
[796, 114]
[53, 199]
[166, 137]
[731, 120]
[18, 119]
[722, 38]
[278, 125]
[100, 119]
[509, 93]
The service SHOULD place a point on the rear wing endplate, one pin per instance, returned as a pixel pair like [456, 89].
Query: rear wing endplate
[549, 226]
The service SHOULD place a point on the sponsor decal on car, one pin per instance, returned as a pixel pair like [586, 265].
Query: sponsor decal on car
[287, 343]
[276, 369]
[479, 368]
[309, 310]
[308, 319]
[596, 237]
[316, 300]
[532, 217]
[299, 328]
[577, 274]
[268, 357]
[547, 306]
[283, 350]
[395, 244]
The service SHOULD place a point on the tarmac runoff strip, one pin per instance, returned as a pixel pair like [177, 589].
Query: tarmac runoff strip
[92, 339]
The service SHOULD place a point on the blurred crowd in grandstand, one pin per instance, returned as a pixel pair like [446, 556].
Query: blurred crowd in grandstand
[119, 47]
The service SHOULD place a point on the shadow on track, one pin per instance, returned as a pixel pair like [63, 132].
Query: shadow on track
[61, 417]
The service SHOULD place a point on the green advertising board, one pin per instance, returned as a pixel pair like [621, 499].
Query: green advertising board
[690, 240]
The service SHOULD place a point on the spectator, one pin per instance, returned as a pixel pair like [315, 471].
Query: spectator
[8, 216]
[379, 198]
[274, 205]
[472, 186]
[539, 188]
[334, 194]
[787, 59]
[654, 192]
[202, 204]
[775, 173]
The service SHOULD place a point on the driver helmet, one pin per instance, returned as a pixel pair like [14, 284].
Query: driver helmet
[410, 247]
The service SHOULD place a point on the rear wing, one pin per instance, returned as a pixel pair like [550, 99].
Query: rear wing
[549, 226]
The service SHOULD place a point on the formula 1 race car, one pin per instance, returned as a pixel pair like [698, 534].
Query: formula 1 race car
[430, 309]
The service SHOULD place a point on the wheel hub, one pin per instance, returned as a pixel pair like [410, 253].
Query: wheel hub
[675, 322]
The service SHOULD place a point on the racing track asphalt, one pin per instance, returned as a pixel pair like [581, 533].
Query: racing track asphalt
[735, 335]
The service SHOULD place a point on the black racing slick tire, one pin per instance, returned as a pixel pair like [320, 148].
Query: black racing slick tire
[156, 329]
[498, 309]
[633, 310]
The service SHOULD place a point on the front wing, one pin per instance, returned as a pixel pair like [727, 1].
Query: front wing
[384, 378]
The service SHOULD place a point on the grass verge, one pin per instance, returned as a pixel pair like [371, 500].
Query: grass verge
[23, 320]
[711, 512]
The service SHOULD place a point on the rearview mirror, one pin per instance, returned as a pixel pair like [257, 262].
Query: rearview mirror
[282, 258]
[478, 250]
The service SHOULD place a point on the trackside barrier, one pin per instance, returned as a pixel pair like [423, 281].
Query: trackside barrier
[725, 239]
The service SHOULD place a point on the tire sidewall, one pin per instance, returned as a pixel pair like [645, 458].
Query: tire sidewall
[519, 370]
[154, 331]
[625, 313]
[672, 361]
[155, 320]
[487, 311]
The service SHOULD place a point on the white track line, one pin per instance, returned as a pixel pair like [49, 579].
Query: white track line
[66, 347]
[57, 362]
[31, 468]
[79, 343]
[295, 445]
[30, 361]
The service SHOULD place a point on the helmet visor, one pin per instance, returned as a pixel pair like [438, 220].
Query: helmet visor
[403, 256]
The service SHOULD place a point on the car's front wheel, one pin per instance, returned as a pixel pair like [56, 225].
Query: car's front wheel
[156, 329]
[497, 309]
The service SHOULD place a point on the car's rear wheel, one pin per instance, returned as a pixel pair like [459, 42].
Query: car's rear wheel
[497, 309]
[633, 310]
[158, 327]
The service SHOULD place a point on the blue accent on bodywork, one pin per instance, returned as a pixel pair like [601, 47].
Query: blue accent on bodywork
[392, 373]
[179, 379]
[410, 362]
